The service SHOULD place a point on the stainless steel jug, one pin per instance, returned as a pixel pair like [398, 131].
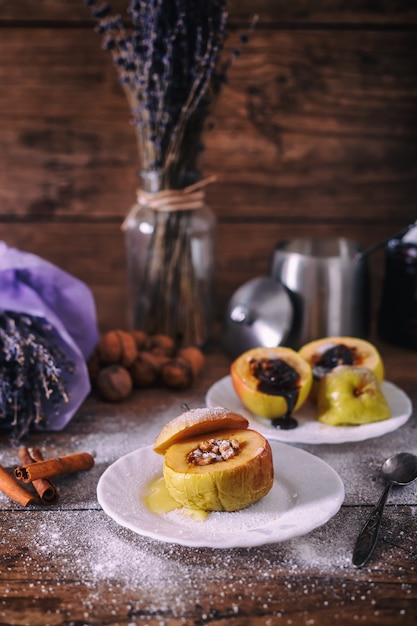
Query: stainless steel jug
[329, 285]
[258, 314]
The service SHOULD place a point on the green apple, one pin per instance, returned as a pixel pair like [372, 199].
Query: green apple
[351, 395]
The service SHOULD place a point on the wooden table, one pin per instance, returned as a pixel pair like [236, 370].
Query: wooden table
[72, 564]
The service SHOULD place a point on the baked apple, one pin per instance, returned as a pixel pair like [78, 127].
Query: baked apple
[351, 395]
[325, 354]
[272, 382]
[225, 469]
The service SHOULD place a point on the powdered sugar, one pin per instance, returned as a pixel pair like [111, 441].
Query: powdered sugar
[169, 580]
[107, 567]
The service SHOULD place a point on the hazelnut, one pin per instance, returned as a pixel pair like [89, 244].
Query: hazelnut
[114, 383]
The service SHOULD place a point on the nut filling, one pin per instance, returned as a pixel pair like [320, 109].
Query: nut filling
[213, 451]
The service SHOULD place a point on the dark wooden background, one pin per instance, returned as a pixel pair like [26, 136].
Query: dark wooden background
[315, 134]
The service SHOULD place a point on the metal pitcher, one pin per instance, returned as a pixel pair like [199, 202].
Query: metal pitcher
[329, 284]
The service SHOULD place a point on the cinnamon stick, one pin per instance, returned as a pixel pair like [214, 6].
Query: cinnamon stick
[14, 490]
[45, 488]
[54, 467]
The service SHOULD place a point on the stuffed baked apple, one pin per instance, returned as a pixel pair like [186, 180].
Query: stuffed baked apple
[213, 461]
[272, 383]
[325, 354]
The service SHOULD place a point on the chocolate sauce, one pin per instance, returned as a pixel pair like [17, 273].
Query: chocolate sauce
[337, 355]
[276, 377]
[286, 422]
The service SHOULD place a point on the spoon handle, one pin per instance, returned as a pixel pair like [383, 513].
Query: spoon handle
[366, 541]
[361, 255]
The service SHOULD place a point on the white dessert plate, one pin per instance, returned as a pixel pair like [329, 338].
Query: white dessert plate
[306, 494]
[309, 430]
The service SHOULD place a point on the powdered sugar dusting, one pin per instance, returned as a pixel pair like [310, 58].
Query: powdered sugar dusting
[204, 412]
[109, 569]
[101, 550]
[200, 415]
[197, 421]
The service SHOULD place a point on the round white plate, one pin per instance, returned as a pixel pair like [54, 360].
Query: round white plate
[309, 430]
[306, 494]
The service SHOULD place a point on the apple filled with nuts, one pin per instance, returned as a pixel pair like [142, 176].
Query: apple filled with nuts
[272, 383]
[213, 461]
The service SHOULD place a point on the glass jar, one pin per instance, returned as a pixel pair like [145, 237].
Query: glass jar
[397, 318]
[170, 265]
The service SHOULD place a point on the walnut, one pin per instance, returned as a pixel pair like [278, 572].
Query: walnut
[148, 359]
[117, 346]
[194, 357]
[177, 374]
[181, 371]
[162, 344]
[146, 368]
[114, 383]
[141, 339]
[213, 451]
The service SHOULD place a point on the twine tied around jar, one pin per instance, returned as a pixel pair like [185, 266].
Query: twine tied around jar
[170, 200]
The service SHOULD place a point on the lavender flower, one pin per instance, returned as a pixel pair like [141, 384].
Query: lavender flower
[31, 367]
[166, 59]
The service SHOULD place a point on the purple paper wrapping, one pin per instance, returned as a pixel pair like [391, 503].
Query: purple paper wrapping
[29, 284]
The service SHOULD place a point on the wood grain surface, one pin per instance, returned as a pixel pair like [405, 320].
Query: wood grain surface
[314, 135]
[72, 564]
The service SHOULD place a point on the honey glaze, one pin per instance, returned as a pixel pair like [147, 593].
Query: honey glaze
[159, 501]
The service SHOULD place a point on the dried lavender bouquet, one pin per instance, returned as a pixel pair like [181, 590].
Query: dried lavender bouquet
[167, 56]
[31, 372]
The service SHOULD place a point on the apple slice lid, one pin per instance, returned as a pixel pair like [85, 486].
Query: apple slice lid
[199, 421]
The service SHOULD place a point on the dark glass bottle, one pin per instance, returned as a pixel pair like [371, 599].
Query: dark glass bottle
[397, 318]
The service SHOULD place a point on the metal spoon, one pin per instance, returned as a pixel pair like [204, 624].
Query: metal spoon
[400, 469]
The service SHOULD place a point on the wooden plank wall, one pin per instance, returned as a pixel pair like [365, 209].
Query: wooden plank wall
[315, 134]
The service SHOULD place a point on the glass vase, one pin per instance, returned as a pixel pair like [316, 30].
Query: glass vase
[170, 266]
